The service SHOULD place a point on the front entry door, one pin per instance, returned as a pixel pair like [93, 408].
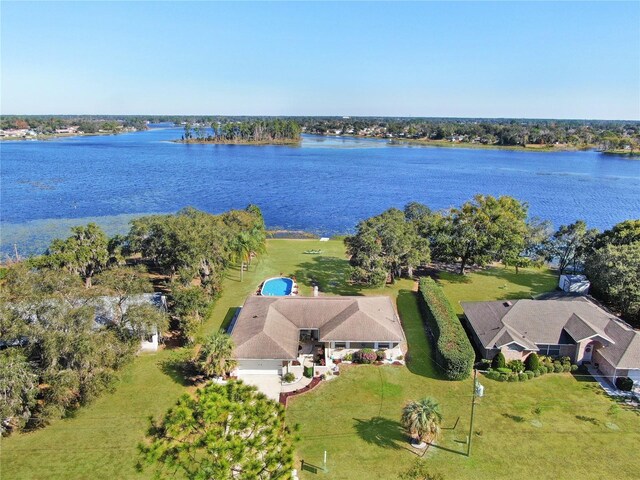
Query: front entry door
[588, 353]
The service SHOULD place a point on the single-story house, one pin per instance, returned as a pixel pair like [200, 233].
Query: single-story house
[571, 326]
[106, 308]
[106, 313]
[270, 333]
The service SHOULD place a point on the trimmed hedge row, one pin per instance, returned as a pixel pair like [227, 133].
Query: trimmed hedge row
[454, 353]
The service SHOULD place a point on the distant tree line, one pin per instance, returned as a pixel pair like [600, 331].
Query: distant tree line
[55, 357]
[256, 131]
[488, 229]
[607, 135]
[46, 124]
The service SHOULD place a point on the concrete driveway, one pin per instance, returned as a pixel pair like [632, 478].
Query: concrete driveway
[269, 384]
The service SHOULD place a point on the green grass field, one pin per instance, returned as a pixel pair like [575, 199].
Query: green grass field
[355, 416]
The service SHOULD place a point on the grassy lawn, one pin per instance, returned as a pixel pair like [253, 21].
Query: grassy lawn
[355, 416]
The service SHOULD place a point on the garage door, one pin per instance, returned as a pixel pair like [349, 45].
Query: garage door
[260, 367]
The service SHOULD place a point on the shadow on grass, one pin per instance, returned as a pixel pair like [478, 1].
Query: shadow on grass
[515, 418]
[591, 420]
[177, 367]
[331, 274]
[380, 431]
[228, 317]
[420, 359]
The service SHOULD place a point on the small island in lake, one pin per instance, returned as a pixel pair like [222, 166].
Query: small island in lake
[254, 132]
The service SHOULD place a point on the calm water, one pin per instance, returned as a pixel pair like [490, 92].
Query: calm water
[326, 185]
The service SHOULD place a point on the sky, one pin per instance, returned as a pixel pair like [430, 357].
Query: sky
[454, 59]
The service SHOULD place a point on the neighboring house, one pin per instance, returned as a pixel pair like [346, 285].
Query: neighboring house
[105, 315]
[106, 308]
[270, 333]
[566, 326]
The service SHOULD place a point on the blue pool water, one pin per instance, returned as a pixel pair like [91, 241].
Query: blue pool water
[278, 287]
[325, 185]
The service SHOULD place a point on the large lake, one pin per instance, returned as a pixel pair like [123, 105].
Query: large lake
[325, 186]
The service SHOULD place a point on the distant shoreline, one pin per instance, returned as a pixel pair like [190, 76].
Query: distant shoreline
[52, 136]
[239, 142]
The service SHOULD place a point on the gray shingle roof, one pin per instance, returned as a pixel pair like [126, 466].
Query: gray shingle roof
[268, 327]
[554, 321]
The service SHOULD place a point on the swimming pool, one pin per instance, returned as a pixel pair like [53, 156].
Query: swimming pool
[278, 286]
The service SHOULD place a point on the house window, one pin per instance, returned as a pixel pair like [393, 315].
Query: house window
[339, 344]
[363, 345]
[550, 350]
[383, 345]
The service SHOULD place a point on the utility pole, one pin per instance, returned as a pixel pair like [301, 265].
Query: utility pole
[473, 408]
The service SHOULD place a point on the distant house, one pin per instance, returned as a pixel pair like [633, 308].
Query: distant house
[571, 326]
[271, 333]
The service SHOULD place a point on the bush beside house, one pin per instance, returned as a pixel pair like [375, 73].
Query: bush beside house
[454, 353]
[519, 371]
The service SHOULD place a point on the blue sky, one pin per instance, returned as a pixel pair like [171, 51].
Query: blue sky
[540, 60]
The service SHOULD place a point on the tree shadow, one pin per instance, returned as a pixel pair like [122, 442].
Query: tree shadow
[380, 431]
[330, 274]
[178, 368]
[591, 420]
[515, 418]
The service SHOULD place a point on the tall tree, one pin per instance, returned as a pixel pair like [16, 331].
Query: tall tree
[383, 246]
[222, 431]
[569, 244]
[18, 390]
[85, 252]
[614, 272]
[484, 230]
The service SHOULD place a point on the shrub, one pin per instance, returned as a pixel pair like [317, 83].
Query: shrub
[493, 375]
[536, 373]
[624, 383]
[483, 364]
[557, 367]
[532, 362]
[529, 374]
[542, 370]
[499, 361]
[566, 367]
[523, 376]
[366, 355]
[503, 377]
[513, 377]
[348, 357]
[504, 370]
[564, 360]
[574, 368]
[453, 349]
[400, 357]
[289, 377]
[308, 372]
[516, 366]
[380, 355]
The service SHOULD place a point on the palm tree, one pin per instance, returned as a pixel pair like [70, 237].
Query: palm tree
[422, 419]
[215, 357]
[242, 248]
